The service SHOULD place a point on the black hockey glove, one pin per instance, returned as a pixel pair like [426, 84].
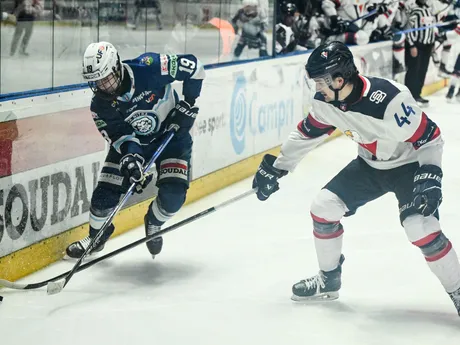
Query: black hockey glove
[338, 25]
[131, 167]
[266, 178]
[183, 118]
[378, 8]
[427, 189]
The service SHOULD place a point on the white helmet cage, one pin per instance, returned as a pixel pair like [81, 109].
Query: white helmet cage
[102, 69]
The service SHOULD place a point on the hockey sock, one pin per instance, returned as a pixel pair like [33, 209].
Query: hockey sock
[442, 259]
[446, 268]
[328, 243]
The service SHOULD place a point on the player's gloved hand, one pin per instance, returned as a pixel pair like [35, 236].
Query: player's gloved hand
[183, 118]
[266, 178]
[427, 189]
[131, 166]
[378, 8]
[338, 25]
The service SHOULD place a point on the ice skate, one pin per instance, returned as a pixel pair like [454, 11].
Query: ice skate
[443, 72]
[457, 96]
[455, 297]
[76, 249]
[422, 102]
[155, 245]
[322, 287]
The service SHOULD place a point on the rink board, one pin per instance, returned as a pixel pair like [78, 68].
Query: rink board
[246, 110]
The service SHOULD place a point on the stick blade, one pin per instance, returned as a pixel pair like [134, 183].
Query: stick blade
[11, 285]
[54, 288]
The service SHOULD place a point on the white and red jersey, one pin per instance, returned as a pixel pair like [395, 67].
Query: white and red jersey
[383, 119]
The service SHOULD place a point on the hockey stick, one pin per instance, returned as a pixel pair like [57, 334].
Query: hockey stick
[32, 286]
[371, 13]
[56, 287]
[428, 27]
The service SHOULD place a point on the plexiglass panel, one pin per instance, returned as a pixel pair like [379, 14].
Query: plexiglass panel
[27, 47]
[44, 49]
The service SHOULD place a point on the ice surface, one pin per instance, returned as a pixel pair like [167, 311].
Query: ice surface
[226, 279]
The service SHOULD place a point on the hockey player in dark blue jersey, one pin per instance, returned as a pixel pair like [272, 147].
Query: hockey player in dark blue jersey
[132, 106]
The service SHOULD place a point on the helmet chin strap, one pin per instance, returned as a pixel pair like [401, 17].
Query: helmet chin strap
[336, 91]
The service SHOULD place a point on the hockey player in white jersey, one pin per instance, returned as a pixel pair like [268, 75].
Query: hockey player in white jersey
[343, 19]
[400, 151]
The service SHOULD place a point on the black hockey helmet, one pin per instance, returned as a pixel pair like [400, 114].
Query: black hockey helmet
[332, 60]
[288, 8]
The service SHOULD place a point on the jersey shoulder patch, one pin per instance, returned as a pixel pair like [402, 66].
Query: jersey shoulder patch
[377, 95]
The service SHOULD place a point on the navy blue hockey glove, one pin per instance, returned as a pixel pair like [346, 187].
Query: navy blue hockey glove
[183, 118]
[266, 178]
[131, 167]
[427, 189]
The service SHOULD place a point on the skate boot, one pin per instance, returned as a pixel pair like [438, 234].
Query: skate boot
[450, 94]
[422, 102]
[76, 249]
[155, 245]
[455, 297]
[443, 72]
[457, 96]
[323, 286]
[397, 67]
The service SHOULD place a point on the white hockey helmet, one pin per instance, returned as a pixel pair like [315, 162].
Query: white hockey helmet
[102, 69]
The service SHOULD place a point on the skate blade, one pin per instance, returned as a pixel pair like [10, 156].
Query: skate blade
[325, 296]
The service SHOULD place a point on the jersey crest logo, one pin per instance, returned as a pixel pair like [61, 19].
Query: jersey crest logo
[143, 122]
[353, 135]
[377, 96]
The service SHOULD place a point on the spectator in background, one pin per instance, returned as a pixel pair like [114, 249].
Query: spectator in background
[285, 40]
[141, 7]
[419, 45]
[26, 12]
[253, 28]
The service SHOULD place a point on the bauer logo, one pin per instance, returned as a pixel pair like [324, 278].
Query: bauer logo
[259, 113]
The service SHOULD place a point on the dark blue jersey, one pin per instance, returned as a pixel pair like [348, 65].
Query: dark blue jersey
[137, 117]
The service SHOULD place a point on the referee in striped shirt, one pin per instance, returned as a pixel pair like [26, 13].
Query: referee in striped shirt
[419, 45]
